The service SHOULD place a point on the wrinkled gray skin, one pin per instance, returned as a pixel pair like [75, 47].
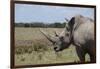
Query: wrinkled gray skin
[80, 33]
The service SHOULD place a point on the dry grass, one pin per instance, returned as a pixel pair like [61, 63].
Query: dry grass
[32, 48]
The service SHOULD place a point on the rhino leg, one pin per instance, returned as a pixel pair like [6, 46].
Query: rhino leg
[81, 54]
[92, 56]
[92, 53]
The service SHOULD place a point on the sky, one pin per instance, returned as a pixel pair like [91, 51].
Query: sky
[48, 14]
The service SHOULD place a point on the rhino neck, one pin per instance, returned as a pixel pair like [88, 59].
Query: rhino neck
[71, 38]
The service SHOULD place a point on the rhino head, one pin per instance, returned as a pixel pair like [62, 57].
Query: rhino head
[62, 40]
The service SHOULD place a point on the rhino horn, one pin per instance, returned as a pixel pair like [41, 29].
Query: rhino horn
[56, 34]
[62, 33]
[50, 38]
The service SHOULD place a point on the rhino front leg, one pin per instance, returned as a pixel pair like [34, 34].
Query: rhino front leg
[81, 54]
[92, 56]
[92, 53]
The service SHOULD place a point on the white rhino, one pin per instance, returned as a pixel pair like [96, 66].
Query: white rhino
[79, 32]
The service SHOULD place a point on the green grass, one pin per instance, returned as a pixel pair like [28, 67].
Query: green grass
[32, 48]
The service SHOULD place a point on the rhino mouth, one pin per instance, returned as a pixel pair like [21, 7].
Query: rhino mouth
[57, 49]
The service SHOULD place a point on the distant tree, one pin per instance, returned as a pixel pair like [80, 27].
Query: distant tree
[27, 25]
[40, 24]
[57, 25]
[19, 25]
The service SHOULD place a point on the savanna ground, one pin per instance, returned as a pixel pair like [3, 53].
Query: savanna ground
[32, 48]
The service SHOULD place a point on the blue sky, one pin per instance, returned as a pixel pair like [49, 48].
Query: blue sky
[48, 14]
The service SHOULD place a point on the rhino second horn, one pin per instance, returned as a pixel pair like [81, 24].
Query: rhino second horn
[56, 34]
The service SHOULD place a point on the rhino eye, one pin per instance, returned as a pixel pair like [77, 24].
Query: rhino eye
[61, 38]
[54, 43]
[67, 34]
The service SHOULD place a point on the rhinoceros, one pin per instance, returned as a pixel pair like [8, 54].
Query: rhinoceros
[79, 31]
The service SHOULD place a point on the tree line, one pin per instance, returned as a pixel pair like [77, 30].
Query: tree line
[42, 25]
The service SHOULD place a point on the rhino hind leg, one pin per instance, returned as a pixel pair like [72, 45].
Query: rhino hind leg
[81, 54]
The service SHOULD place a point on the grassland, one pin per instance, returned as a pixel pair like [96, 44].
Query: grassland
[32, 48]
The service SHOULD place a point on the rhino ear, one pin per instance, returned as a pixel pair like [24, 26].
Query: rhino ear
[66, 20]
[71, 23]
[67, 27]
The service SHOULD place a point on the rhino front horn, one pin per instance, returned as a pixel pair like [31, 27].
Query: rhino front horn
[51, 39]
